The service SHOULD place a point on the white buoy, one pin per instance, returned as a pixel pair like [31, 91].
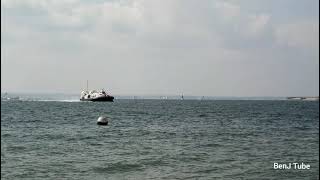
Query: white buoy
[102, 120]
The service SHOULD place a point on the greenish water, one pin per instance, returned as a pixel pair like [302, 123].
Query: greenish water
[159, 139]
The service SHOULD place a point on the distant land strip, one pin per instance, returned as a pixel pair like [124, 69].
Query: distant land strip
[314, 98]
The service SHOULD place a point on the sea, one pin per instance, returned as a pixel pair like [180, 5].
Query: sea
[159, 139]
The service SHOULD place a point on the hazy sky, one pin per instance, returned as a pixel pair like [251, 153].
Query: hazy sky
[144, 47]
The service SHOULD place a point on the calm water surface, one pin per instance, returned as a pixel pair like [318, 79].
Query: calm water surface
[159, 139]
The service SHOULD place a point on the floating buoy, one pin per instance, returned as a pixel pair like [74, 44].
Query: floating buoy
[102, 120]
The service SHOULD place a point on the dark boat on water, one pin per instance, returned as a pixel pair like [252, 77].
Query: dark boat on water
[95, 96]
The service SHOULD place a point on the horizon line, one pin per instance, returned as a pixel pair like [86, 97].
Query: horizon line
[160, 95]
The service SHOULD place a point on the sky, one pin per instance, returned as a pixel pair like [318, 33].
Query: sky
[166, 47]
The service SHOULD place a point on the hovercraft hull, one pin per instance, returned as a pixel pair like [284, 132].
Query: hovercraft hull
[99, 99]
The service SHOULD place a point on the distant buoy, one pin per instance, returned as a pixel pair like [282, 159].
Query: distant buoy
[102, 120]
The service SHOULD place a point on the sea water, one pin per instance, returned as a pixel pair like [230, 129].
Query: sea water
[159, 139]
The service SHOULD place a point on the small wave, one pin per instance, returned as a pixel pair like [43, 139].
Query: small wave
[52, 100]
[154, 162]
[16, 148]
[119, 167]
[69, 100]
[203, 115]
[5, 135]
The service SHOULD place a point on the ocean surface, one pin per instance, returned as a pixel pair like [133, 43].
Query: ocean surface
[159, 139]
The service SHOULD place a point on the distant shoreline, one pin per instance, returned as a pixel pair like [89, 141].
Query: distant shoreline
[74, 96]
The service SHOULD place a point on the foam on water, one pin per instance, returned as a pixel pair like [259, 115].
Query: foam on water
[56, 100]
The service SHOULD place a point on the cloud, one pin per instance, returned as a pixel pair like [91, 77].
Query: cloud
[159, 24]
[299, 35]
[227, 10]
[156, 46]
[258, 24]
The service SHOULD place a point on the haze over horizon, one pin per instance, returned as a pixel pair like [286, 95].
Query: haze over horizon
[165, 47]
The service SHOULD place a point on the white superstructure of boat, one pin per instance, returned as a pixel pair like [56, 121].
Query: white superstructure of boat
[95, 96]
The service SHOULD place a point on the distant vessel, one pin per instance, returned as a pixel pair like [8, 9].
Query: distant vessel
[163, 97]
[95, 95]
[5, 97]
